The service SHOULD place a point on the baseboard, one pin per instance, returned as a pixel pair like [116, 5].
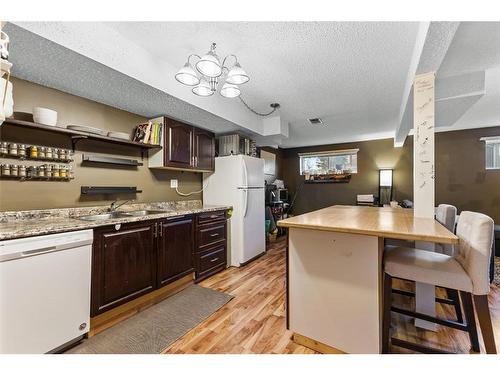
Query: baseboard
[109, 318]
[315, 345]
[252, 259]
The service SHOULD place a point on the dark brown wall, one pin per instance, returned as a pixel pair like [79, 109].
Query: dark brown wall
[372, 156]
[461, 177]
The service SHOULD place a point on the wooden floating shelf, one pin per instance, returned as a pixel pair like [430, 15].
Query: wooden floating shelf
[109, 190]
[110, 160]
[76, 135]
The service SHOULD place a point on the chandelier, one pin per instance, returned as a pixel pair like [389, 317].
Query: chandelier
[210, 72]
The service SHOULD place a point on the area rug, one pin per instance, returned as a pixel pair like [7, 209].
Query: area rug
[153, 330]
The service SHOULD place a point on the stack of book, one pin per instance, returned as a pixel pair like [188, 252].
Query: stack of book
[149, 132]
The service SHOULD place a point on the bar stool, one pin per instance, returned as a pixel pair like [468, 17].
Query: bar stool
[466, 272]
[446, 214]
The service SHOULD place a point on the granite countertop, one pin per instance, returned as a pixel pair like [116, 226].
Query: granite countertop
[18, 224]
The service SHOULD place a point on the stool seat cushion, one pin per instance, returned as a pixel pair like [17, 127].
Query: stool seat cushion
[426, 267]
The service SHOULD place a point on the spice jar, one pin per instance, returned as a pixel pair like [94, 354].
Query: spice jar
[31, 172]
[55, 171]
[63, 173]
[41, 171]
[48, 170]
[71, 173]
[49, 153]
[21, 150]
[22, 171]
[63, 155]
[14, 170]
[34, 152]
[4, 148]
[42, 151]
[5, 170]
[13, 149]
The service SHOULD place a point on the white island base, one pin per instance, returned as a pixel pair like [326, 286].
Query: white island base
[335, 290]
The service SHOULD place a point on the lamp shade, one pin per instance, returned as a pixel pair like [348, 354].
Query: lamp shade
[385, 177]
[237, 75]
[203, 88]
[230, 91]
[187, 75]
[209, 65]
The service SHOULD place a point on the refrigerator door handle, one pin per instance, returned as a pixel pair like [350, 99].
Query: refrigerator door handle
[245, 173]
[245, 205]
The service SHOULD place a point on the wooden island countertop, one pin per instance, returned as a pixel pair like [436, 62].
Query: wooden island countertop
[384, 222]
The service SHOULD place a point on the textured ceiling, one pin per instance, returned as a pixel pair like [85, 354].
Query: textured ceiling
[351, 74]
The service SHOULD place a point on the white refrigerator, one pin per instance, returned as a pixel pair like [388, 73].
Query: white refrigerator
[238, 181]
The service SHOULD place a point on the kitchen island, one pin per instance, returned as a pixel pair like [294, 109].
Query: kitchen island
[334, 273]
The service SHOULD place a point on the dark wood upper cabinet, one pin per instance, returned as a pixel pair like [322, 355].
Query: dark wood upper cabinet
[185, 147]
[123, 265]
[204, 149]
[179, 144]
[175, 249]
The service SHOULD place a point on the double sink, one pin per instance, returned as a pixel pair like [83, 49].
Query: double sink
[120, 214]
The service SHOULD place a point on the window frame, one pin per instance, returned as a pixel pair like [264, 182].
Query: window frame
[495, 141]
[345, 152]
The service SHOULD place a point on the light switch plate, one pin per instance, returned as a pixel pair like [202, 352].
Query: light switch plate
[173, 183]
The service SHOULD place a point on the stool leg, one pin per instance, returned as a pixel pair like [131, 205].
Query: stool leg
[386, 320]
[453, 294]
[483, 315]
[471, 320]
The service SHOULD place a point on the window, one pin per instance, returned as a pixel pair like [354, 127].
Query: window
[329, 162]
[492, 152]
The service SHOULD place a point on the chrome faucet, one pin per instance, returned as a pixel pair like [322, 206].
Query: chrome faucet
[113, 207]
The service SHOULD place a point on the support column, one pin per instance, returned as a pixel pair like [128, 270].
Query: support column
[423, 179]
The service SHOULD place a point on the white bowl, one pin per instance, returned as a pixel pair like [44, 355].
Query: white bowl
[45, 116]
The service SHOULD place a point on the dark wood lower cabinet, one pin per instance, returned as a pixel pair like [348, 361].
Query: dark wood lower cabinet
[123, 265]
[131, 260]
[175, 249]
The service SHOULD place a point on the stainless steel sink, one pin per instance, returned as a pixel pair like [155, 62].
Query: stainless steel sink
[142, 213]
[106, 216]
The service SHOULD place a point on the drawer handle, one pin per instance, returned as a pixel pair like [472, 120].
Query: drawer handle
[214, 234]
[214, 216]
[214, 260]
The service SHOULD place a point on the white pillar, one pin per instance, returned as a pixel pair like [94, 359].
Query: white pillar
[423, 179]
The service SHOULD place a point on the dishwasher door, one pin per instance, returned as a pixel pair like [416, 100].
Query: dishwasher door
[44, 291]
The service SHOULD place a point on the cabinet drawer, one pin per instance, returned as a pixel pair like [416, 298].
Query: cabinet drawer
[210, 259]
[210, 217]
[211, 234]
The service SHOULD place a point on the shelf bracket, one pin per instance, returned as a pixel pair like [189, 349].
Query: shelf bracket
[75, 139]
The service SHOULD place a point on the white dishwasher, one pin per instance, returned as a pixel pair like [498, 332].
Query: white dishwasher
[44, 291]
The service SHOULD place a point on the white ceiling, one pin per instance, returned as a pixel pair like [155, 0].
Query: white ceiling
[339, 71]
[354, 75]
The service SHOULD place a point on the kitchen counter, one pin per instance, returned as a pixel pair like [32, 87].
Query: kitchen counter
[387, 222]
[18, 224]
[334, 273]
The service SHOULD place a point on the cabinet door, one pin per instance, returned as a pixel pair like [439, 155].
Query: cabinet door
[123, 265]
[179, 144]
[175, 249]
[204, 142]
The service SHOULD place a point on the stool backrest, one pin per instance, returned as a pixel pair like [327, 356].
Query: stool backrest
[475, 231]
[446, 214]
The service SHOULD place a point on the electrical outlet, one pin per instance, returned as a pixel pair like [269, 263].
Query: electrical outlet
[173, 184]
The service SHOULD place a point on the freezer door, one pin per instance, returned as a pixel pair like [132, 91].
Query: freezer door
[253, 171]
[254, 242]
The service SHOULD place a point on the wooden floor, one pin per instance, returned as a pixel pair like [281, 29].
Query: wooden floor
[254, 321]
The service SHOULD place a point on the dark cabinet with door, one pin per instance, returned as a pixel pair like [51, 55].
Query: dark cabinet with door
[185, 147]
[175, 249]
[123, 264]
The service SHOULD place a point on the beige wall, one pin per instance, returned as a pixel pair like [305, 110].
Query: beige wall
[155, 184]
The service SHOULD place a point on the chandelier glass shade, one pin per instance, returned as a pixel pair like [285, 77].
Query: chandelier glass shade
[208, 72]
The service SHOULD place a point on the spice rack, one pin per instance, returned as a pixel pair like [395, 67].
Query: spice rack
[44, 172]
